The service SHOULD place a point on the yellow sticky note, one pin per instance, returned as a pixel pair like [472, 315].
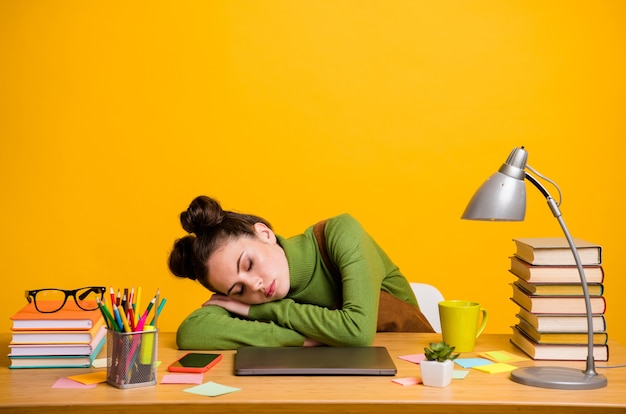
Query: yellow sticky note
[91, 378]
[496, 368]
[502, 356]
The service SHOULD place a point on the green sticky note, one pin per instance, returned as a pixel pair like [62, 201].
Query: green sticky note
[211, 389]
[499, 356]
[458, 374]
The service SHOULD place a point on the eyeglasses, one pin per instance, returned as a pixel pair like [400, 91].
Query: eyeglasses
[53, 300]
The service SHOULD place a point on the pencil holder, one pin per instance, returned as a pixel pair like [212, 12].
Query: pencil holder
[132, 358]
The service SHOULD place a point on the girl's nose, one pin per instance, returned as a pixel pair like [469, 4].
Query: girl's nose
[256, 284]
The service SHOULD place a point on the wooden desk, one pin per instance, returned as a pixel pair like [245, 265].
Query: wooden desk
[29, 391]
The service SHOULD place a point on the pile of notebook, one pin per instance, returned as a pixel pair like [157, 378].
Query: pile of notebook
[552, 321]
[68, 338]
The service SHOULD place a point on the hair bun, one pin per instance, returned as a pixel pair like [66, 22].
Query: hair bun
[202, 214]
[182, 262]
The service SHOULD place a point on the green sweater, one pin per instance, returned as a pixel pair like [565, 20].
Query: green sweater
[307, 311]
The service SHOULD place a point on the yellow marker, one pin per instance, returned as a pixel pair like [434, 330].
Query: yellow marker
[148, 340]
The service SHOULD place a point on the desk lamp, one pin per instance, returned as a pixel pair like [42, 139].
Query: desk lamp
[503, 198]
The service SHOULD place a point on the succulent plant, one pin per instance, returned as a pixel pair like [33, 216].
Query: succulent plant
[440, 352]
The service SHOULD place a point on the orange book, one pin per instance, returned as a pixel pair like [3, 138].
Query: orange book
[69, 317]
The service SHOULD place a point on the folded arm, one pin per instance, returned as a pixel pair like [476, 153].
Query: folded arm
[212, 327]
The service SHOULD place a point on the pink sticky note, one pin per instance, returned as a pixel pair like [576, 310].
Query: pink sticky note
[407, 381]
[415, 358]
[182, 378]
[68, 383]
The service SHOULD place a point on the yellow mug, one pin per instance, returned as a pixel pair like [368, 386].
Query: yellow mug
[459, 323]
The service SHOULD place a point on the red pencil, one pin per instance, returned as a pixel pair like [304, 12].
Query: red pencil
[112, 293]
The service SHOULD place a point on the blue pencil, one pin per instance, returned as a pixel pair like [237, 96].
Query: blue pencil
[118, 318]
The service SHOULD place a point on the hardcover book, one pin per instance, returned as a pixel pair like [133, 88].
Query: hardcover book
[51, 349]
[55, 361]
[556, 251]
[561, 322]
[557, 304]
[560, 352]
[554, 274]
[559, 289]
[57, 337]
[69, 317]
[581, 338]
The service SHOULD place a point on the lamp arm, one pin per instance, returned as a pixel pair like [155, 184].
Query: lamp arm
[590, 369]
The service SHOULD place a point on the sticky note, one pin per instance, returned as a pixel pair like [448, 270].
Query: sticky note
[211, 389]
[496, 368]
[472, 362]
[68, 383]
[407, 381]
[91, 378]
[459, 374]
[415, 358]
[502, 356]
[183, 378]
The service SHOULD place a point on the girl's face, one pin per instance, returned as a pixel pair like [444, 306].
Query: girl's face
[252, 270]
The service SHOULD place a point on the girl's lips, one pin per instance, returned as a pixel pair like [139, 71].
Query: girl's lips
[269, 292]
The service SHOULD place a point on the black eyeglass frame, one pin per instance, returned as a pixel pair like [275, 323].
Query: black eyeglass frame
[31, 296]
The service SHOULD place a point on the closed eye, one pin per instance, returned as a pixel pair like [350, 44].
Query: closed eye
[236, 290]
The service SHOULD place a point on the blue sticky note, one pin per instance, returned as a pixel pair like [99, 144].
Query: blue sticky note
[211, 389]
[472, 362]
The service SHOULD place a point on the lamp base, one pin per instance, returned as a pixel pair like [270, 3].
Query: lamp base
[560, 378]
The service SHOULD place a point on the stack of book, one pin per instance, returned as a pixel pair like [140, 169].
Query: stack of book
[68, 338]
[552, 312]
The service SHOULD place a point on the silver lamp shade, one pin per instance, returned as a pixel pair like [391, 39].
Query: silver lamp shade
[503, 196]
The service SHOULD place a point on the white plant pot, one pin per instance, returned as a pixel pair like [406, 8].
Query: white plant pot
[436, 374]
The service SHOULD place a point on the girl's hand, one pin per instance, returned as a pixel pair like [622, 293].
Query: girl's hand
[312, 342]
[230, 304]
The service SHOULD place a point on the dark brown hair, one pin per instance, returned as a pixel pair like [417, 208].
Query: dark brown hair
[208, 226]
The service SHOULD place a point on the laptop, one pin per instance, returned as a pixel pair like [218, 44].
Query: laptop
[323, 360]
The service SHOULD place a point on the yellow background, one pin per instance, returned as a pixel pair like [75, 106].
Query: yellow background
[115, 114]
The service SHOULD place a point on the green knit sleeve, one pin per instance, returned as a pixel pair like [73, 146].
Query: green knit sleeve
[212, 327]
[363, 267]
